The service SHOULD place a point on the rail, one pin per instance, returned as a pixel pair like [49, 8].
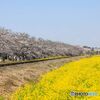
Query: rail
[30, 61]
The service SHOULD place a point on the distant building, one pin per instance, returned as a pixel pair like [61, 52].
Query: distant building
[86, 48]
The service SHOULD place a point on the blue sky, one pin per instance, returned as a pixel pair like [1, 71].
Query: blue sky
[71, 21]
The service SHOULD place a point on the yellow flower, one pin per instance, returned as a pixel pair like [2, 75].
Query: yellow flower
[78, 76]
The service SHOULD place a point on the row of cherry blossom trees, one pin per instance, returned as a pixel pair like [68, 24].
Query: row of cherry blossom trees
[20, 46]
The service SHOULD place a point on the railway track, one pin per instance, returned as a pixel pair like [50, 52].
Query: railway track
[30, 61]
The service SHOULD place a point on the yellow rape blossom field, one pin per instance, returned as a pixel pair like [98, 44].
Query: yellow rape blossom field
[78, 76]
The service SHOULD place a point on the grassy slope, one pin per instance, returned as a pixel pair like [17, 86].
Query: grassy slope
[78, 76]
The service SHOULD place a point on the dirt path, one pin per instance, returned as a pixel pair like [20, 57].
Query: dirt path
[11, 77]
